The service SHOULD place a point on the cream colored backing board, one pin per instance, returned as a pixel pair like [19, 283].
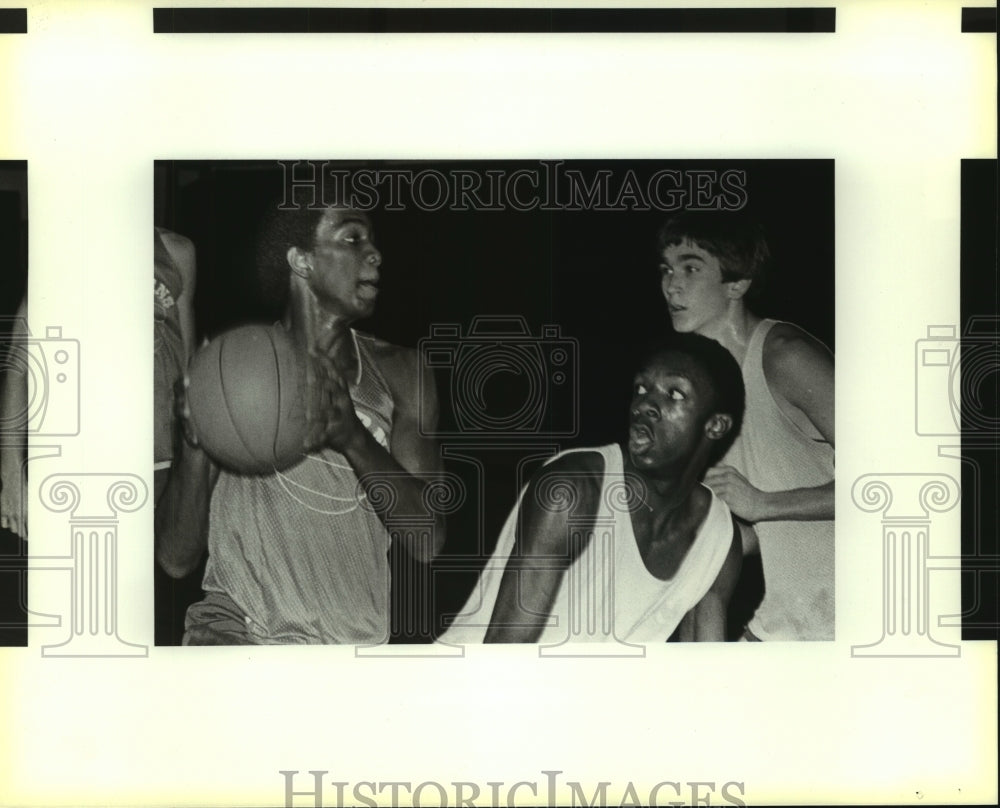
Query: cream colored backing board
[897, 97]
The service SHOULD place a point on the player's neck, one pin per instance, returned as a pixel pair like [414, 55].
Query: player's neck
[733, 329]
[319, 329]
[664, 492]
[305, 314]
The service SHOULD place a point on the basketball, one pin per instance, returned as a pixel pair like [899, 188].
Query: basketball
[246, 401]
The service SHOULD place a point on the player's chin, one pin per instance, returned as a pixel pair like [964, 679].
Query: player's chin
[364, 306]
[641, 455]
[681, 324]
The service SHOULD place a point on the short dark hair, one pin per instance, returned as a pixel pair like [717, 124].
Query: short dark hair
[728, 391]
[279, 230]
[735, 239]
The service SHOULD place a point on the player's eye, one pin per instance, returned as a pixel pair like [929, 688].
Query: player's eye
[639, 389]
[692, 268]
[665, 270]
[676, 394]
[353, 236]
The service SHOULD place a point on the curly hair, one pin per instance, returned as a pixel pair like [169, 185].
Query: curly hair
[279, 230]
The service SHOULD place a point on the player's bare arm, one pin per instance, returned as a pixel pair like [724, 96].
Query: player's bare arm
[13, 405]
[413, 462]
[706, 622]
[181, 518]
[800, 373]
[543, 547]
[182, 251]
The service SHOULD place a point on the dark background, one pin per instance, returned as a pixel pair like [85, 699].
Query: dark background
[592, 273]
[13, 285]
[980, 402]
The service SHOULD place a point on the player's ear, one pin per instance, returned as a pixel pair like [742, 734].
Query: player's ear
[736, 289]
[718, 425]
[298, 260]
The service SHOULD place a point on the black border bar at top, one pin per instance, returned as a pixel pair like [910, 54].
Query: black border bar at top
[13, 20]
[466, 20]
[979, 20]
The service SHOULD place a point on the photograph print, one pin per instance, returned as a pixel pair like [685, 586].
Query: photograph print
[454, 402]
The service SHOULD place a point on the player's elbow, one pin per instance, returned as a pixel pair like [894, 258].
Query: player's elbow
[176, 565]
[174, 570]
[428, 546]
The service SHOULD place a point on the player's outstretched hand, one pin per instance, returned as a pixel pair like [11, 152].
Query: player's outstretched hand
[736, 491]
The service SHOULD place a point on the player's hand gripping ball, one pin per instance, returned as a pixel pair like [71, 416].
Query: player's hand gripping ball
[246, 399]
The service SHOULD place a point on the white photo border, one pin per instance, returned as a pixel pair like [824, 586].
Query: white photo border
[897, 97]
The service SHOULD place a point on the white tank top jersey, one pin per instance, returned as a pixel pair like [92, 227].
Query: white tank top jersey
[775, 454]
[607, 594]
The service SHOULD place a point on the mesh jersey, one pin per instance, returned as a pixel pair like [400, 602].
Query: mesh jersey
[168, 349]
[607, 593]
[300, 553]
[774, 454]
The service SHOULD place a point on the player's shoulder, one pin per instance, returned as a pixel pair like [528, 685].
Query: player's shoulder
[388, 354]
[581, 461]
[175, 242]
[399, 365]
[788, 349]
[569, 481]
[725, 529]
[583, 470]
[703, 510]
[702, 500]
[181, 250]
[784, 336]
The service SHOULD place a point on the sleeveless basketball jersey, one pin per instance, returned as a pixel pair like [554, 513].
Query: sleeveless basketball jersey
[168, 349]
[301, 553]
[774, 454]
[607, 593]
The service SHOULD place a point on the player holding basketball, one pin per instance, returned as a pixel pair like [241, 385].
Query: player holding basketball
[778, 476]
[297, 556]
[625, 532]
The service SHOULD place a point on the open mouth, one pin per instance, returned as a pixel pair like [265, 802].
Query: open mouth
[674, 308]
[640, 438]
[368, 288]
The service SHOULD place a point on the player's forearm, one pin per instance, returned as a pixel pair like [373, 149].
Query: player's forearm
[803, 504]
[378, 470]
[14, 382]
[13, 410]
[12, 454]
[11, 468]
[523, 628]
[181, 518]
[513, 619]
[14, 404]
